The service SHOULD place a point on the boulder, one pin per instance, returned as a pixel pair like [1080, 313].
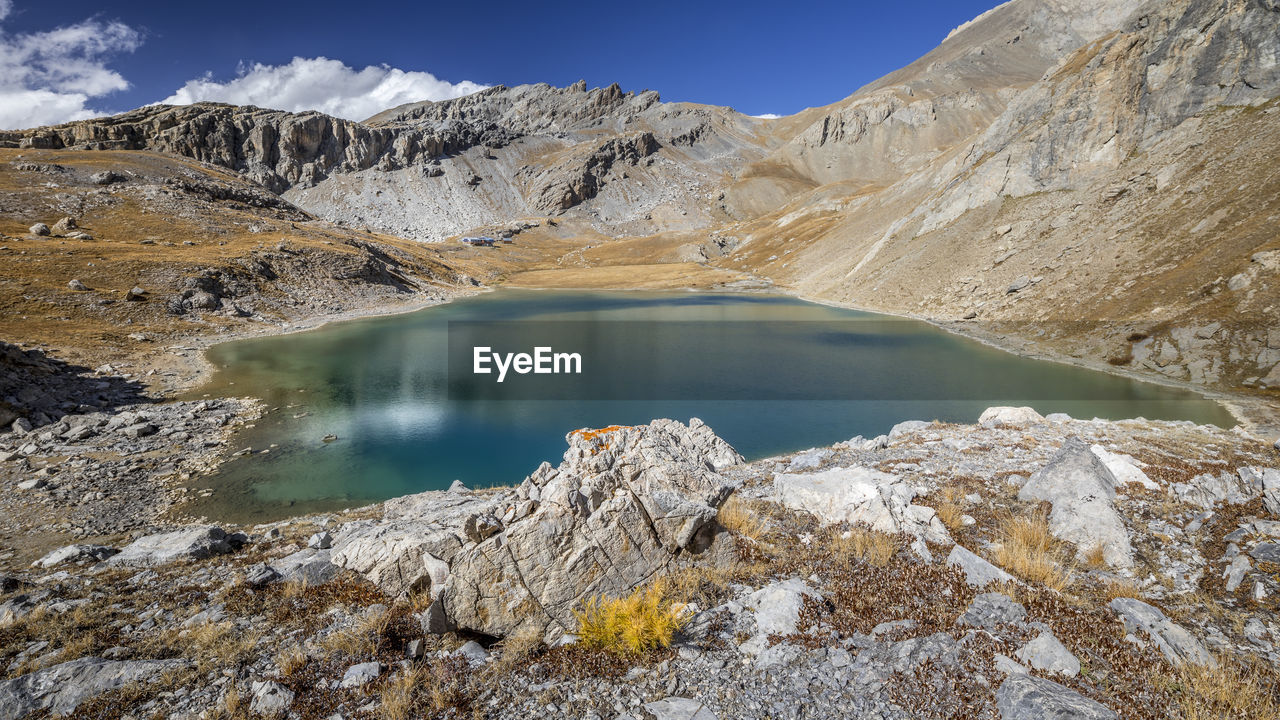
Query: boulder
[61, 688]
[622, 504]
[320, 541]
[270, 699]
[1047, 653]
[977, 571]
[907, 427]
[193, 543]
[990, 610]
[361, 674]
[1004, 416]
[1027, 697]
[64, 226]
[1124, 468]
[77, 286]
[860, 496]
[1177, 645]
[39, 230]
[75, 553]
[1082, 491]
[777, 606]
[309, 565]
[106, 177]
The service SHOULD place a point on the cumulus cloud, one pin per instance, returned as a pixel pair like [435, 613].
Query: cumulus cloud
[322, 84]
[52, 76]
[767, 116]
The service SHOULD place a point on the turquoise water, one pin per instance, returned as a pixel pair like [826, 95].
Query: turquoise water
[381, 385]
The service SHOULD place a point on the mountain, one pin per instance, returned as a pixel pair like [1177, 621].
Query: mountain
[1092, 179]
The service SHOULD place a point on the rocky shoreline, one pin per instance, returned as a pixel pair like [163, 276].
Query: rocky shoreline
[879, 577]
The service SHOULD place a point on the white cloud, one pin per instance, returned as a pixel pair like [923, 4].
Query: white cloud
[325, 85]
[767, 116]
[51, 77]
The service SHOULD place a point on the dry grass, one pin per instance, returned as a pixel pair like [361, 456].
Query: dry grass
[1112, 589]
[951, 507]
[737, 516]
[870, 546]
[516, 649]
[290, 660]
[1231, 691]
[398, 694]
[1096, 558]
[1027, 550]
[638, 624]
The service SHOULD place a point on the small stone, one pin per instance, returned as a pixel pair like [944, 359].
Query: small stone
[320, 541]
[135, 294]
[260, 574]
[32, 484]
[77, 285]
[415, 649]
[361, 674]
[21, 426]
[473, 651]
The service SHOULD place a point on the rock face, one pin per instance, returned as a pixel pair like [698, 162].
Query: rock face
[861, 496]
[1174, 641]
[432, 169]
[1082, 491]
[1026, 697]
[192, 543]
[61, 688]
[621, 505]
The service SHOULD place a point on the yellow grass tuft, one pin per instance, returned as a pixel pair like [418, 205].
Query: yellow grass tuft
[736, 516]
[1231, 691]
[291, 660]
[1028, 550]
[870, 546]
[951, 508]
[1096, 557]
[644, 621]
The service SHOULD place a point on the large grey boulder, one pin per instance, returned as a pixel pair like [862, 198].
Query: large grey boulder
[193, 543]
[310, 566]
[1082, 491]
[611, 517]
[1175, 642]
[1045, 652]
[61, 688]
[1004, 416]
[860, 496]
[1027, 697]
[977, 571]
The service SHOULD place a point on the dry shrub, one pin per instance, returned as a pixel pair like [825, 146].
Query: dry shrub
[398, 694]
[737, 516]
[290, 660]
[1234, 690]
[1028, 550]
[708, 585]
[1112, 589]
[870, 546]
[950, 508]
[638, 624]
[516, 649]
[1096, 557]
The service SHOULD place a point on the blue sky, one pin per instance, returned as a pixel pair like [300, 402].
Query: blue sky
[776, 57]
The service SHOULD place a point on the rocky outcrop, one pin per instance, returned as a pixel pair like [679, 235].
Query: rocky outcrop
[60, 689]
[574, 179]
[861, 496]
[1174, 641]
[1082, 491]
[624, 502]
[621, 506]
[1026, 697]
[193, 543]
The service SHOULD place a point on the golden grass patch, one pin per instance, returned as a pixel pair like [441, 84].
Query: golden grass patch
[1028, 550]
[870, 546]
[642, 622]
[737, 516]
